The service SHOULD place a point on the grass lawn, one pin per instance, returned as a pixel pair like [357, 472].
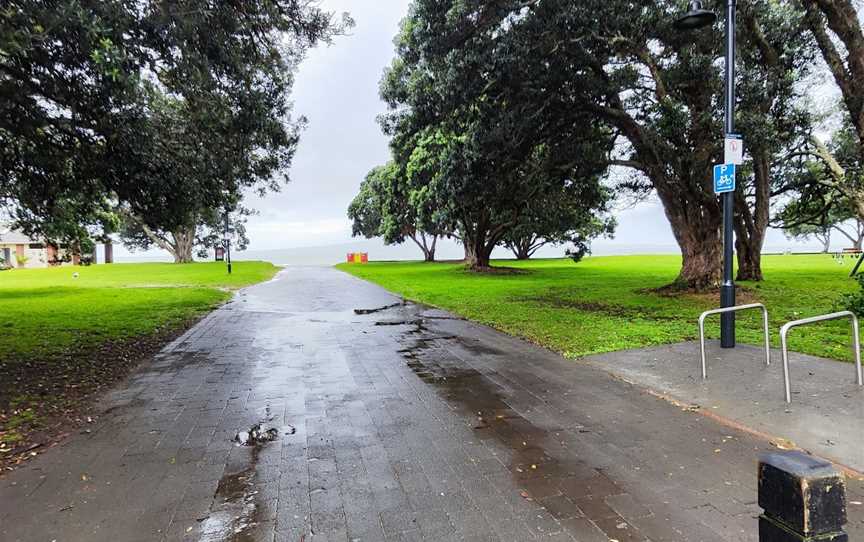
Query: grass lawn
[64, 337]
[47, 311]
[605, 304]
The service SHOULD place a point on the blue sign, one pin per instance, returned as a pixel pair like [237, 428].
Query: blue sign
[724, 178]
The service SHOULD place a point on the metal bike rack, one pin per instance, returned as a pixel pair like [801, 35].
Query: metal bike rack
[733, 309]
[856, 344]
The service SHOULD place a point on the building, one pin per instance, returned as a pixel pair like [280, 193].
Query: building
[17, 250]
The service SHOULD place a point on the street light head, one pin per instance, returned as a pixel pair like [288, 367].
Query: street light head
[696, 17]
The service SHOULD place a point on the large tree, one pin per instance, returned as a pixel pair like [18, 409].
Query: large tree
[836, 26]
[818, 191]
[555, 220]
[772, 114]
[75, 97]
[384, 207]
[206, 230]
[662, 90]
[463, 131]
[198, 157]
[608, 66]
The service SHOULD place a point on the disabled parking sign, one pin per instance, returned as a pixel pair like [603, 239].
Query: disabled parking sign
[724, 178]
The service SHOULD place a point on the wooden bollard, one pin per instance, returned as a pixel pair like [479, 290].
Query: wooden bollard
[803, 498]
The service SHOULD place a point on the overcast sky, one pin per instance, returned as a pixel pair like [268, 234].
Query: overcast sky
[337, 90]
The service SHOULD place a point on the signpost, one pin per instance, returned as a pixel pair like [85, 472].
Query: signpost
[724, 178]
[734, 150]
[695, 18]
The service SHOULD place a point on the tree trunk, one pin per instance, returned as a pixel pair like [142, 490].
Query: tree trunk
[684, 189]
[825, 238]
[424, 245]
[521, 249]
[749, 254]
[859, 228]
[701, 258]
[184, 243]
[751, 224]
[429, 248]
[478, 252]
[695, 222]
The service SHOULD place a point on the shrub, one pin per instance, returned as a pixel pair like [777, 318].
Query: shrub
[854, 302]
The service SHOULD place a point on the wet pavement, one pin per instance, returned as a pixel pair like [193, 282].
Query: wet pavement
[288, 415]
[825, 417]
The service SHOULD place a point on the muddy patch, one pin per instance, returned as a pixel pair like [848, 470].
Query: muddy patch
[618, 311]
[44, 399]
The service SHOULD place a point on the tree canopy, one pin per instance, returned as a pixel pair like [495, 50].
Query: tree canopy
[471, 152]
[497, 104]
[150, 96]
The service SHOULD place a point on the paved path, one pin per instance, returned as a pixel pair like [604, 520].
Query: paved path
[401, 424]
[826, 415]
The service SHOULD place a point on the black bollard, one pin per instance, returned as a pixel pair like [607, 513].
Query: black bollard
[803, 498]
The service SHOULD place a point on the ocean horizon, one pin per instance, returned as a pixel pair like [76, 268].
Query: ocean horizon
[337, 253]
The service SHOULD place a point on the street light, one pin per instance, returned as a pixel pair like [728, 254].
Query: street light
[227, 243]
[696, 18]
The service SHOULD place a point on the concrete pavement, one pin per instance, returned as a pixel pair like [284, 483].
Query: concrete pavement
[402, 423]
[825, 417]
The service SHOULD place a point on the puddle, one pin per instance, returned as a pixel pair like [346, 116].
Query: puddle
[234, 508]
[257, 434]
[400, 323]
[234, 511]
[263, 431]
[379, 309]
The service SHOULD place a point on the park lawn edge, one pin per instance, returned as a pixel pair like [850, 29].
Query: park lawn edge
[29, 425]
[612, 303]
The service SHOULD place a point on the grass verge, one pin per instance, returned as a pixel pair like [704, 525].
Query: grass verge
[604, 304]
[66, 333]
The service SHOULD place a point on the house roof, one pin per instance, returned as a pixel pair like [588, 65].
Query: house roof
[9, 236]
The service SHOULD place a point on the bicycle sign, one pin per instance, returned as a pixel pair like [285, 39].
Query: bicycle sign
[724, 178]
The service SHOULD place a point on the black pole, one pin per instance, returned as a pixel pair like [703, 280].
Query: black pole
[227, 243]
[727, 290]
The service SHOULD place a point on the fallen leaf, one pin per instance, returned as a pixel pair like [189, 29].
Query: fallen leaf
[783, 444]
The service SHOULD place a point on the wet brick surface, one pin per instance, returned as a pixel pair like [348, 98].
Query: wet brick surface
[400, 424]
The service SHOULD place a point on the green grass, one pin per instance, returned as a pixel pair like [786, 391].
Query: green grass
[45, 312]
[605, 304]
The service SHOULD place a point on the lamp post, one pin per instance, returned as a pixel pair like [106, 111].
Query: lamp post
[227, 243]
[697, 17]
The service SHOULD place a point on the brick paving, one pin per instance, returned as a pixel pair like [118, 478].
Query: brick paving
[399, 424]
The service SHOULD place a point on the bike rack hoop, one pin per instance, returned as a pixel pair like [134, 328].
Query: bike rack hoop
[738, 308]
[856, 344]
